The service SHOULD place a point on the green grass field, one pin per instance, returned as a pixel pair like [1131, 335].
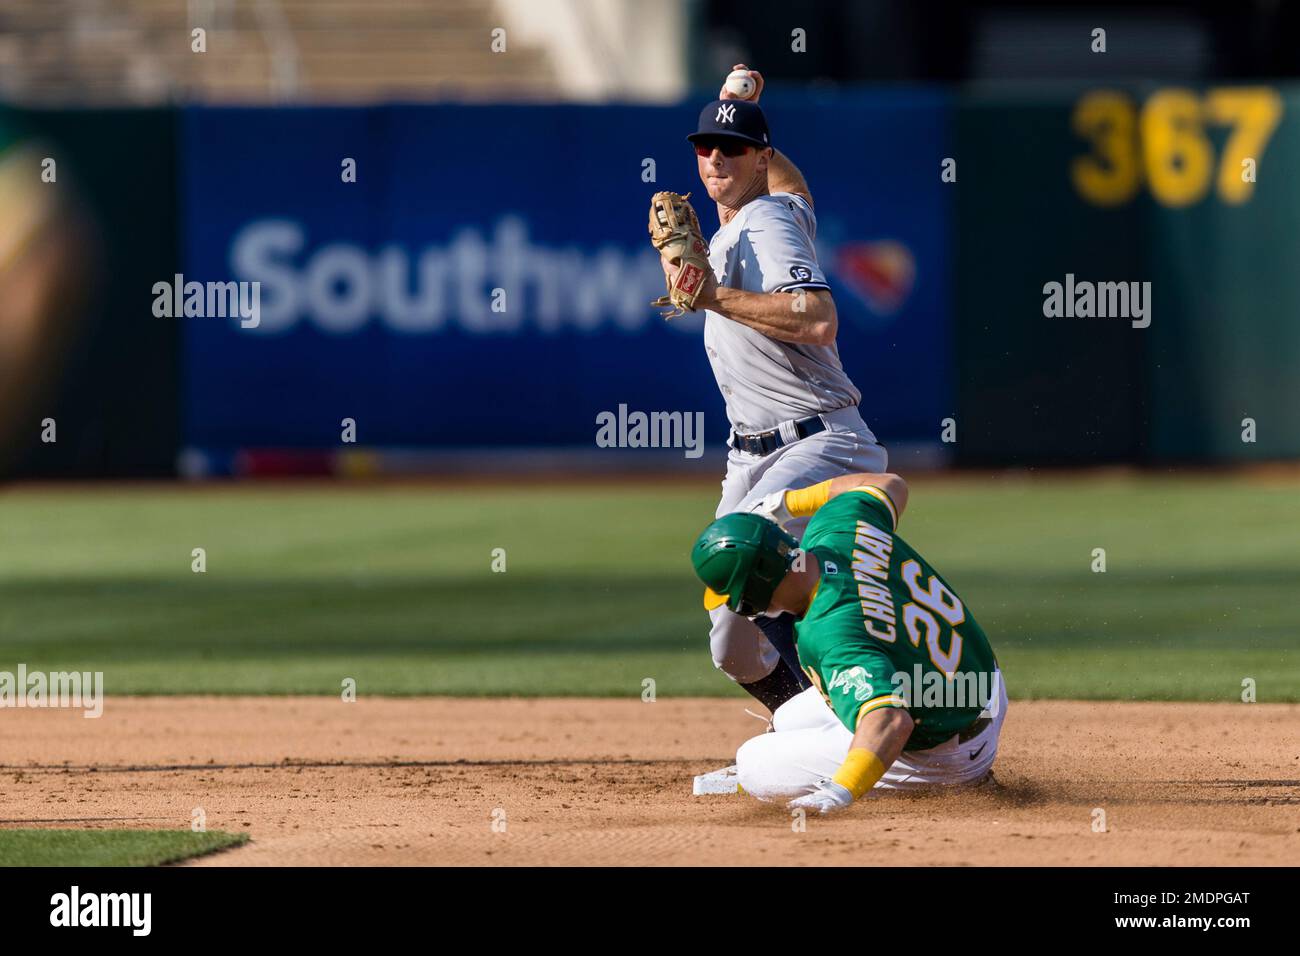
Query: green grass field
[109, 847]
[393, 586]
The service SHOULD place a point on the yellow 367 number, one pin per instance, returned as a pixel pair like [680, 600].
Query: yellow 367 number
[1165, 142]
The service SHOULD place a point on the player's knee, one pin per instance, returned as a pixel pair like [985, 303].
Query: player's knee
[739, 649]
[762, 771]
[753, 770]
[803, 711]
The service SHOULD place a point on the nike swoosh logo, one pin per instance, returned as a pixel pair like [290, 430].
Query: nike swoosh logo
[980, 751]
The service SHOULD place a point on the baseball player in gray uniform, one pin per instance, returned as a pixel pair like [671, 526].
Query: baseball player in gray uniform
[770, 336]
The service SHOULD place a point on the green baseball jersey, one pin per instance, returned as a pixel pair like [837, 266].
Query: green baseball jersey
[885, 630]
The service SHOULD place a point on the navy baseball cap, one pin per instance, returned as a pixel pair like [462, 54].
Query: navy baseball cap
[733, 119]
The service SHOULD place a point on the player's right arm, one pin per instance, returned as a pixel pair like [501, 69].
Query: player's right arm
[880, 738]
[783, 176]
[784, 506]
[866, 699]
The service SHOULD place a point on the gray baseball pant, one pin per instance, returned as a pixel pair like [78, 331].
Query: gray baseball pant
[739, 648]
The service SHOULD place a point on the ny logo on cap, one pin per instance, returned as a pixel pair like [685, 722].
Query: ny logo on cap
[726, 114]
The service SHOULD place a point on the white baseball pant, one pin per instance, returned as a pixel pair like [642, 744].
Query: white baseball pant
[808, 743]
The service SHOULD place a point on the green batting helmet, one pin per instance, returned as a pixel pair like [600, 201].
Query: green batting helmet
[741, 558]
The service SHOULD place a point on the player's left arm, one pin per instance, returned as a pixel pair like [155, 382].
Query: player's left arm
[806, 501]
[879, 739]
[802, 317]
[785, 506]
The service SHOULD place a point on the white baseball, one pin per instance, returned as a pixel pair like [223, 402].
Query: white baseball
[740, 83]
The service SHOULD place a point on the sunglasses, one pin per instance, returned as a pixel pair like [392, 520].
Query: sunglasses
[729, 147]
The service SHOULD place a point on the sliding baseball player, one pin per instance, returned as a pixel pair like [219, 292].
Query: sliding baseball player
[906, 691]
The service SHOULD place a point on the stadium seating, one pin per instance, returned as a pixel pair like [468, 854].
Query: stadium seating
[259, 51]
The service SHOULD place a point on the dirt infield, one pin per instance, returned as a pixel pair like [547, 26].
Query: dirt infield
[574, 781]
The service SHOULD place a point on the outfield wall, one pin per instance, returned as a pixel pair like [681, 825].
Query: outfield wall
[1146, 184]
[486, 280]
[113, 392]
[483, 283]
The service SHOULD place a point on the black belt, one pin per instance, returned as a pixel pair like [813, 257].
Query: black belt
[764, 443]
[974, 730]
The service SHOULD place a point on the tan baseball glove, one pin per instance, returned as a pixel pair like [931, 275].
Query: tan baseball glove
[675, 232]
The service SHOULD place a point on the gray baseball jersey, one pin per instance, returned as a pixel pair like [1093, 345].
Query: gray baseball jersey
[768, 247]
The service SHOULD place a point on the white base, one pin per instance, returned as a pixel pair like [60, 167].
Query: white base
[724, 781]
